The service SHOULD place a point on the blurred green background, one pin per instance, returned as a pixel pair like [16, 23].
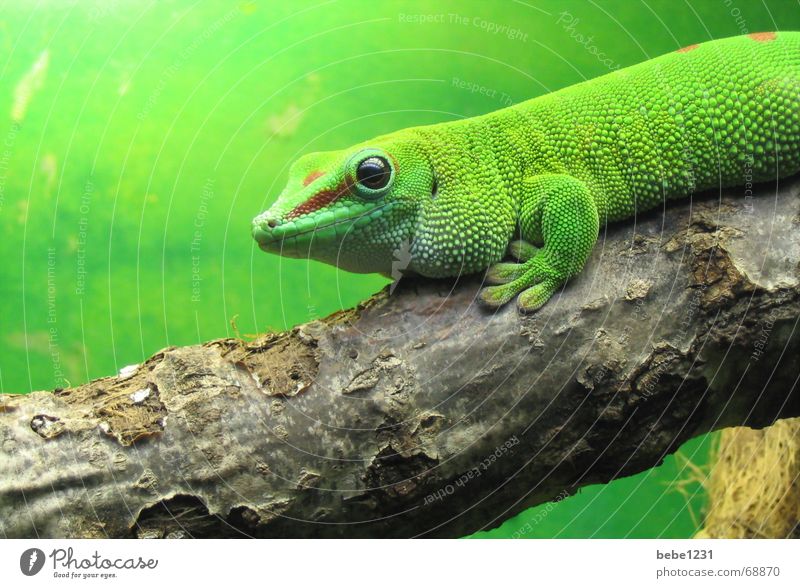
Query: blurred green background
[138, 139]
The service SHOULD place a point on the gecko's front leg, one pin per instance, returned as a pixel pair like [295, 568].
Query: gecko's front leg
[559, 212]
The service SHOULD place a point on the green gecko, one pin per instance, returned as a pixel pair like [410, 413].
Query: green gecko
[538, 179]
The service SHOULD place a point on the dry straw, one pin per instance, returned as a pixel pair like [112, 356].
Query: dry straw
[754, 487]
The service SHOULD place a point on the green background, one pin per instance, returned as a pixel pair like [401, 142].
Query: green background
[148, 135]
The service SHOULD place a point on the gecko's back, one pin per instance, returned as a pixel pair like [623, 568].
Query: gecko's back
[715, 114]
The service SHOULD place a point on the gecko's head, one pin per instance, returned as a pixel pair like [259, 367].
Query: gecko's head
[353, 208]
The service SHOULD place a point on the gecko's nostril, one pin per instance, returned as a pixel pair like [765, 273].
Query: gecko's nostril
[272, 223]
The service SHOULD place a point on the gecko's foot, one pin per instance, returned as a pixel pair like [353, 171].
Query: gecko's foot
[503, 273]
[566, 217]
[532, 282]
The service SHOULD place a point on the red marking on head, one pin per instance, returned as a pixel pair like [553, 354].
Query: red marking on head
[314, 175]
[319, 200]
[687, 49]
[763, 37]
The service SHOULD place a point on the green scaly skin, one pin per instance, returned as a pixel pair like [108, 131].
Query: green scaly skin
[538, 179]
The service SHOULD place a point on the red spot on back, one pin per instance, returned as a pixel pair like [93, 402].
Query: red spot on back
[688, 48]
[314, 175]
[763, 37]
[319, 200]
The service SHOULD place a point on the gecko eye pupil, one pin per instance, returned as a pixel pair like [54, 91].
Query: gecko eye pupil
[374, 173]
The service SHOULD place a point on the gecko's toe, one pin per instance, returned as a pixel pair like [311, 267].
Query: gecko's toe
[497, 296]
[533, 298]
[522, 250]
[503, 273]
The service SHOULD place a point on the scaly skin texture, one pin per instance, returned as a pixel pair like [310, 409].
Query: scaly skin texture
[538, 179]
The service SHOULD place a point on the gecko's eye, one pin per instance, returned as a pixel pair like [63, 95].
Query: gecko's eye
[374, 173]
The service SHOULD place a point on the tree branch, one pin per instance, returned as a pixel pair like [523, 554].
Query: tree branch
[420, 413]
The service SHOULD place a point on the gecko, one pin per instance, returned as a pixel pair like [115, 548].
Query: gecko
[522, 192]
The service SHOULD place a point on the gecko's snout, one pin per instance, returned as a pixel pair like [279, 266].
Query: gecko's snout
[263, 227]
[270, 230]
[267, 220]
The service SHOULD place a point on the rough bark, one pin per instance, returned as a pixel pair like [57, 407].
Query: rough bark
[421, 414]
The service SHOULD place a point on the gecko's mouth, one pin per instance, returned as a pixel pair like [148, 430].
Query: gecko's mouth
[324, 227]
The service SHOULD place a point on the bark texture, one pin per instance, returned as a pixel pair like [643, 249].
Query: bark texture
[421, 414]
